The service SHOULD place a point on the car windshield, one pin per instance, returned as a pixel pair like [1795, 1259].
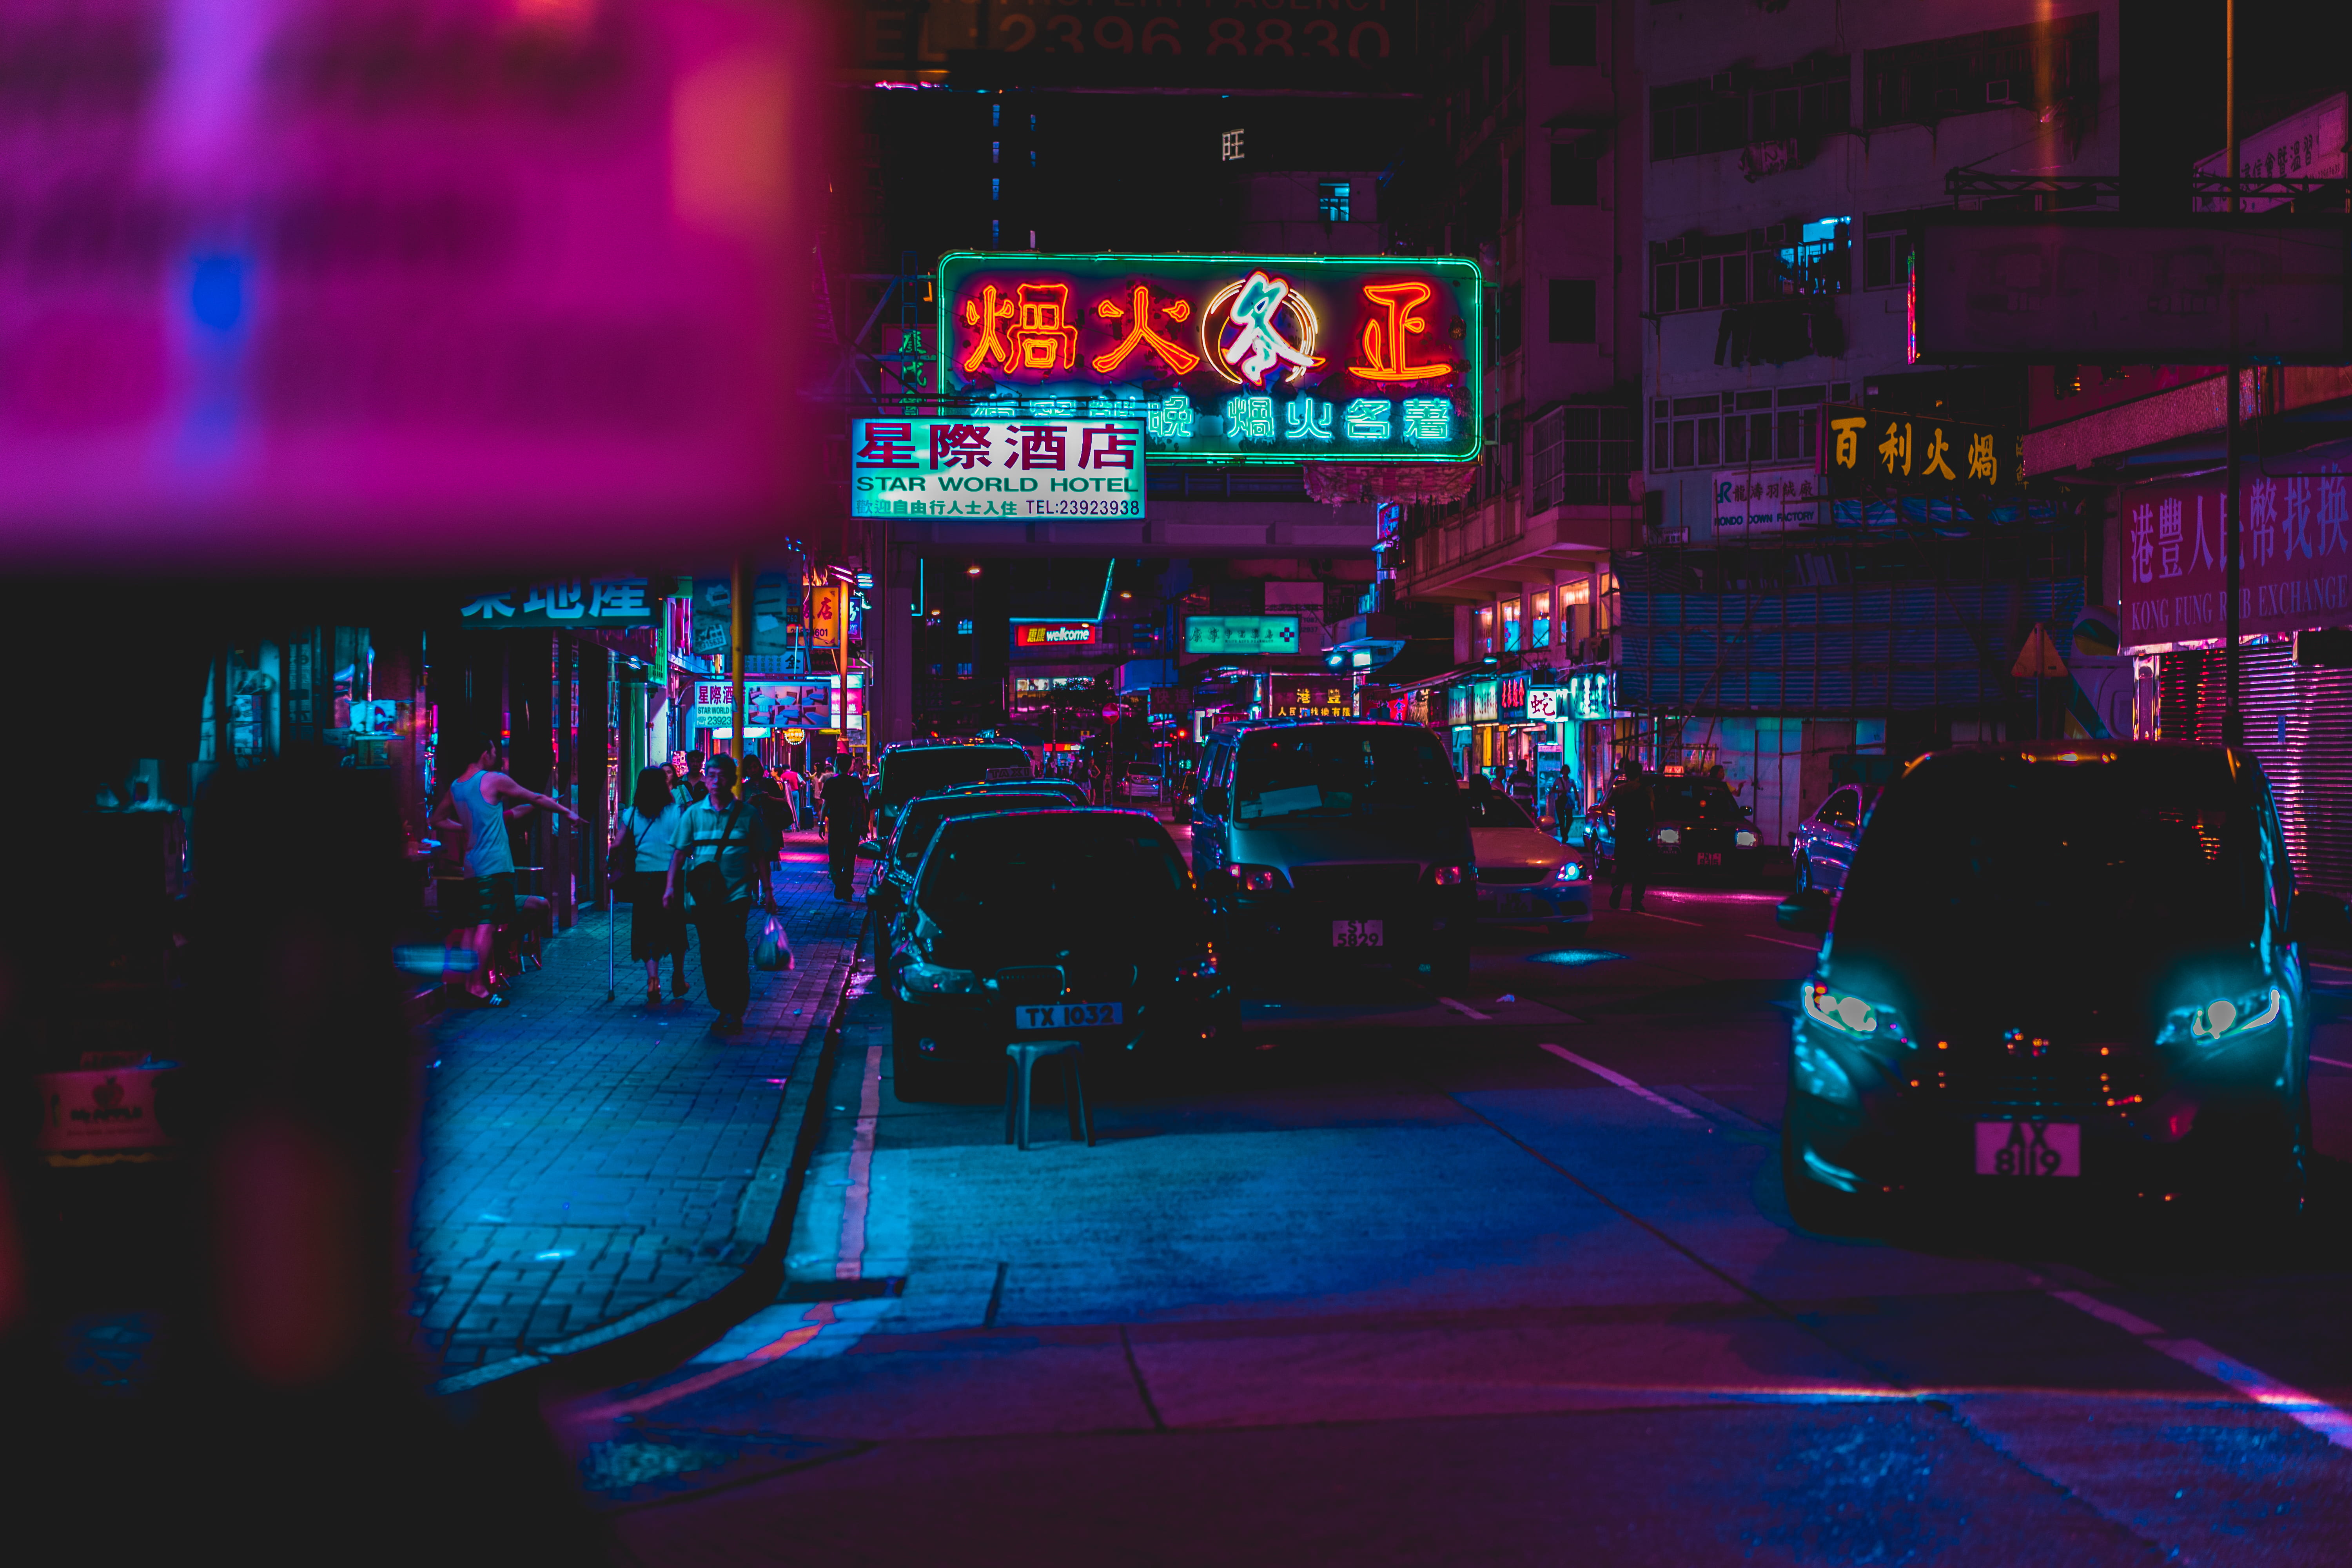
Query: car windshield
[923, 816]
[1337, 770]
[1061, 864]
[930, 768]
[1496, 810]
[2164, 843]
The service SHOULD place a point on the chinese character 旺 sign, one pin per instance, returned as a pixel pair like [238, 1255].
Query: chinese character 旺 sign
[1875, 452]
[1253, 359]
[2294, 559]
[997, 468]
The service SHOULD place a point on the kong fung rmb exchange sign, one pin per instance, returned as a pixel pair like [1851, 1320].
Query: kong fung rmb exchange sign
[1267, 359]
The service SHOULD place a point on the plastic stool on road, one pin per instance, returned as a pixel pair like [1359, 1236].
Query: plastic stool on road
[1019, 1076]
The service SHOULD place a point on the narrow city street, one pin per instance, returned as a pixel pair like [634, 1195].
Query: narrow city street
[1506, 1276]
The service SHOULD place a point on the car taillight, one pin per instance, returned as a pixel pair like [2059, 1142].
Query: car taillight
[1258, 878]
[1449, 876]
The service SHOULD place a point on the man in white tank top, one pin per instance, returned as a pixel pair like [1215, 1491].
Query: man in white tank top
[476, 804]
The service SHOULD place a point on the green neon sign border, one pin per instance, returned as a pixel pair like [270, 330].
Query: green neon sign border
[1475, 336]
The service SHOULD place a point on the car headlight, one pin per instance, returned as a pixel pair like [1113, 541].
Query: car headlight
[1451, 876]
[919, 978]
[1819, 1074]
[2225, 1018]
[1259, 878]
[1745, 839]
[1569, 871]
[1853, 1016]
[1668, 835]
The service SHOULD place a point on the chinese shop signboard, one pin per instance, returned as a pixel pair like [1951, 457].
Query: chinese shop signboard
[1056, 634]
[1241, 633]
[568, 602]
[1046, 466]
[765, 702]
[1766, 500]
[1873, 453]
[2294, 571]
[1315, 696]
[1230, 359]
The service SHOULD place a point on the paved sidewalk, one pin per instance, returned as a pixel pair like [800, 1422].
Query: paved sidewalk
[585, 1159]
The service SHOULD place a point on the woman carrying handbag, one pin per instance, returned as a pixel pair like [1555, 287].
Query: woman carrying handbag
[640, 863]
[711, 858]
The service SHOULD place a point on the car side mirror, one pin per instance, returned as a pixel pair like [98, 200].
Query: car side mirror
[871, 849]
[1213, 800]
[1805, 911]
[2319, 920]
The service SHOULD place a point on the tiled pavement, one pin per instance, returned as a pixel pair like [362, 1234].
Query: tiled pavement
[586, 1158]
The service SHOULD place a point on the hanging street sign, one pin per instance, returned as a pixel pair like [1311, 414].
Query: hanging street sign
[1241, 633]
[1270, 359]
[997, 467]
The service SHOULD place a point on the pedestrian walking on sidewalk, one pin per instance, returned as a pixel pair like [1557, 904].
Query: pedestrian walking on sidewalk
[711, 862]
[846, 811]
[476, 804]
[657, 926]
[1631, 819]
[689, 779]
[774, 815]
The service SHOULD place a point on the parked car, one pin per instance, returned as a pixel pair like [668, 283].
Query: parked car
[1337, 843]
[1048, 925]
[1822, 849]
[1140, 786]
[902, 854]
[1524, 873]
[1700, 831]
[2056, 966]
[927, 767]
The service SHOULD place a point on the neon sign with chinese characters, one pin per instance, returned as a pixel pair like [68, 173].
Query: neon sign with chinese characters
[1250, 359]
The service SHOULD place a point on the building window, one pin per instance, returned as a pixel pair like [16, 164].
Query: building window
[963, 629]
[1510, 626]
[1735, 108]
[1574, 310]
[2034, 67]
[1887, 260]
[1575, 35]
[1581, 456]
[1788, 260]
[1575, 175]
[1484, 642]
[1332, 195]
[1539, 635]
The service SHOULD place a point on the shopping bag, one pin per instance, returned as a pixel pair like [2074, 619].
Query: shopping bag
[770, 947]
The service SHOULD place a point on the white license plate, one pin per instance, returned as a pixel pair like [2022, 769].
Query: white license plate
[1355, 933]
[1518, 904]
[1066, 1016]
[2035, 1149]
[1708, 858]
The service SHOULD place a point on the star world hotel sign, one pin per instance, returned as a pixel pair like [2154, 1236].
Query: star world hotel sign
[1274, 359]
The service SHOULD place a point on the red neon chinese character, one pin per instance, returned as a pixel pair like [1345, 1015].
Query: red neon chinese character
[1139, 334]
[1043, 337]
[1106, 446]
[960, 446]
[1385, 354]
[889, 444]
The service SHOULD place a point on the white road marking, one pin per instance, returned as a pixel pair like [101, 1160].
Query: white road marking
[1784, 942]
[2304, 1409]
[1676, 920]
[2331, 1061]
[1622, 1082]
[850, 1260]
[1464, 1008]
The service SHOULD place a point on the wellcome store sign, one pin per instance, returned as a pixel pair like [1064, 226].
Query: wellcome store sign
[1267, 359]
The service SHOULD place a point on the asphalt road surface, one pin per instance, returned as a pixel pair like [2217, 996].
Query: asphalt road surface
[1500, 1278]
